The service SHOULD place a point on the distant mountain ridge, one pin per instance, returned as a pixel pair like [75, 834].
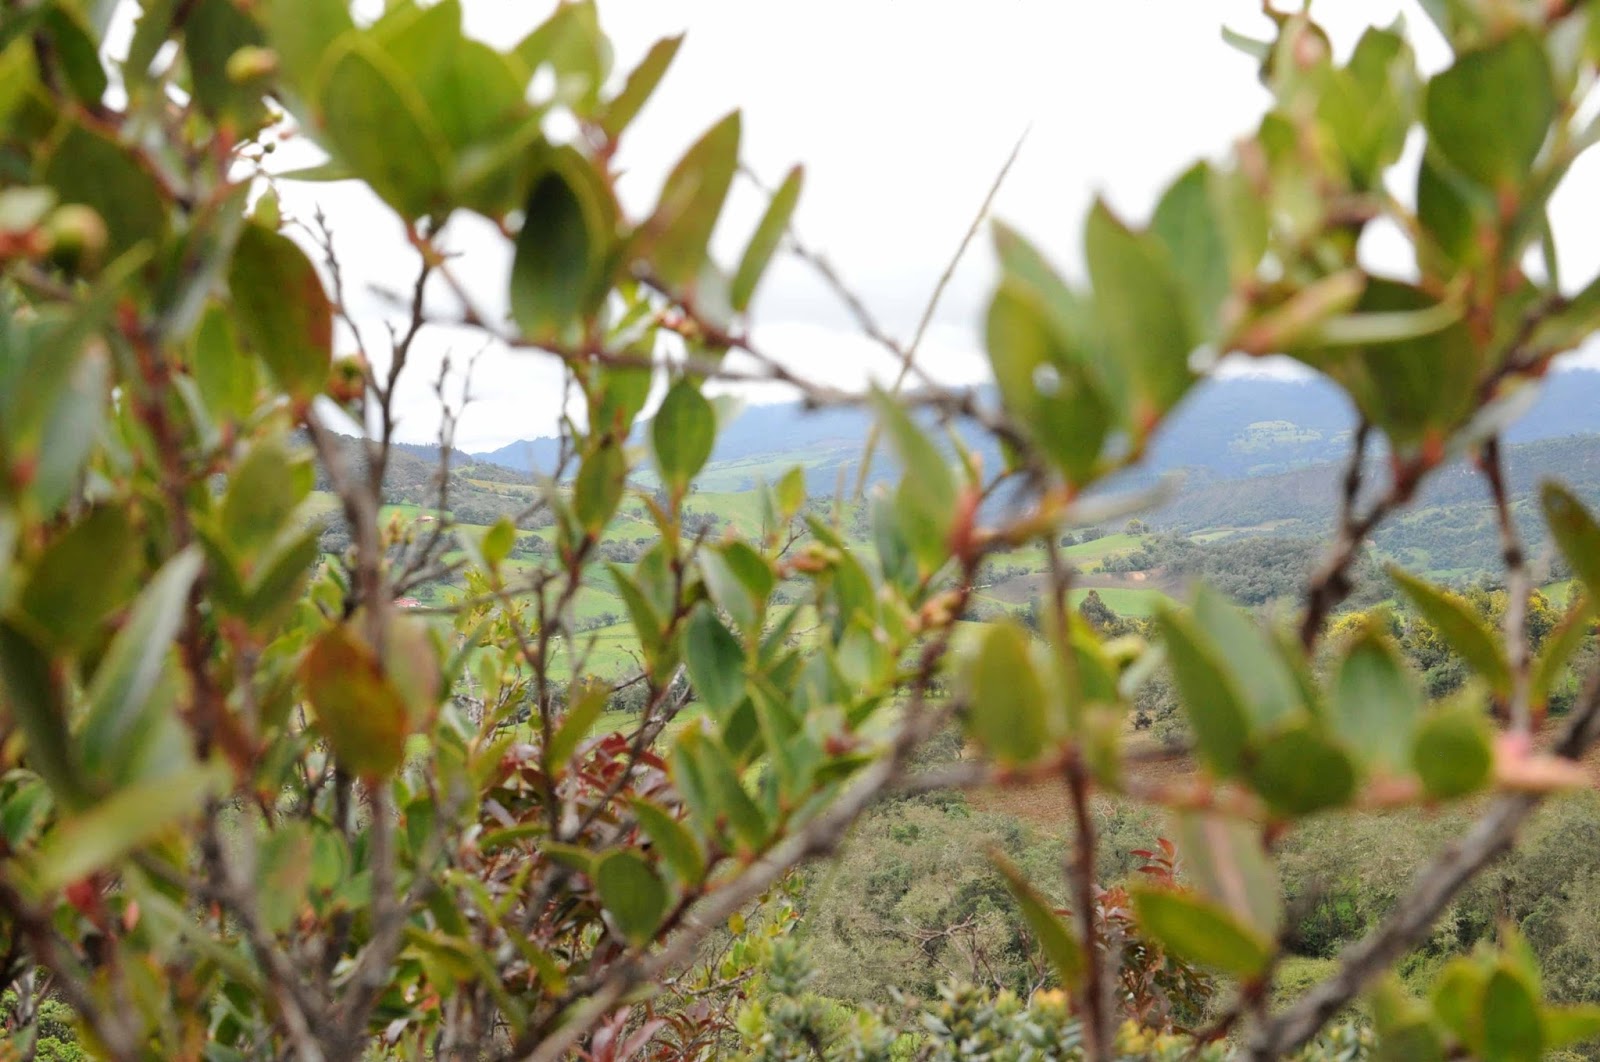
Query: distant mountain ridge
[1229, 428]
[1449, 527]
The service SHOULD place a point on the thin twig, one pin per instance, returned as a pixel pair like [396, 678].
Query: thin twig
[1518, 588]
[1331, 583]
[908, 357]
[1096, 997]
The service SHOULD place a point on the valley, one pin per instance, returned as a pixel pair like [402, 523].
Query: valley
[1254, 535]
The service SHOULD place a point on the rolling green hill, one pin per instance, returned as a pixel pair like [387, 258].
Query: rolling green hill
[1218, 433]
[1253, 536]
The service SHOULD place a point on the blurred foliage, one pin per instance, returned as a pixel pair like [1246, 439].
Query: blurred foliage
[256, 803]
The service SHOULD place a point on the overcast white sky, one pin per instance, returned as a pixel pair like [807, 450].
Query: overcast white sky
[902, 113]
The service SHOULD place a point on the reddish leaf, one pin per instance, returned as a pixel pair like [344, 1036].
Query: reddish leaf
[358, 709]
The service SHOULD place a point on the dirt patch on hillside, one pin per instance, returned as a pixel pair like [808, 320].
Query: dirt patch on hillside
[1046, 804]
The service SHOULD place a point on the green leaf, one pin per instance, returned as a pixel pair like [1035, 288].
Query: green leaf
[1044, 386]
[1405, 1030]
[1140, 304]
[563, 238]
[632, 894]
[9, 533]
[1200, 932]
[1456, 20]
[753, 570]
[586, 702]
[411, 660]
[715, 661]
[71, 430]
[62, 606]
[1512, 1031]
[597, 491]
[791, 752]
[740, 581]
[1369, 106]
[1007, 700]
[768, 235]
[375, 121]
[1071, 316]
[213, 31]
[646, 621]
[1211, 695]
[641, 84]
[104, 834]
[1413, 1041]
[45, 381]
[617, 395]
[121, 712]
[499, 541]
[1055, 936]
[1410, 364]
[1457, 997]
[35, 699]
[1451, 213]
[689, 778]
[1252, 47]
[1299, 771]
[1569, 326]
[18, 71]
[278, 577]
[899, 567]
[657, 580]
[227, 379]
[926, 498]
[1576, 532]
[1243, 214]
[359, 710]
[474, 92]
[263, 493]
[721, 794]
[572, 43]
[1459, 625]
[691, 200]
[1452, 752]
[1490, 112]
[75, 53]
[1387, 326]
[91, 168]
[283, 874]
[196, 269]
[303, 34]
[1302, 319]
[281, 309]
[1563, 1026]
[1226, 860]
[1375, 705]
[1558, 648]
[672, 839]
[683, 433]
[1253, 661]
[790, 492]
[165, 919]
[24, 810]
[1186, 222]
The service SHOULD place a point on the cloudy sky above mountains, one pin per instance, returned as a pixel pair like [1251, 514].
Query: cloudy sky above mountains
[902, 114]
